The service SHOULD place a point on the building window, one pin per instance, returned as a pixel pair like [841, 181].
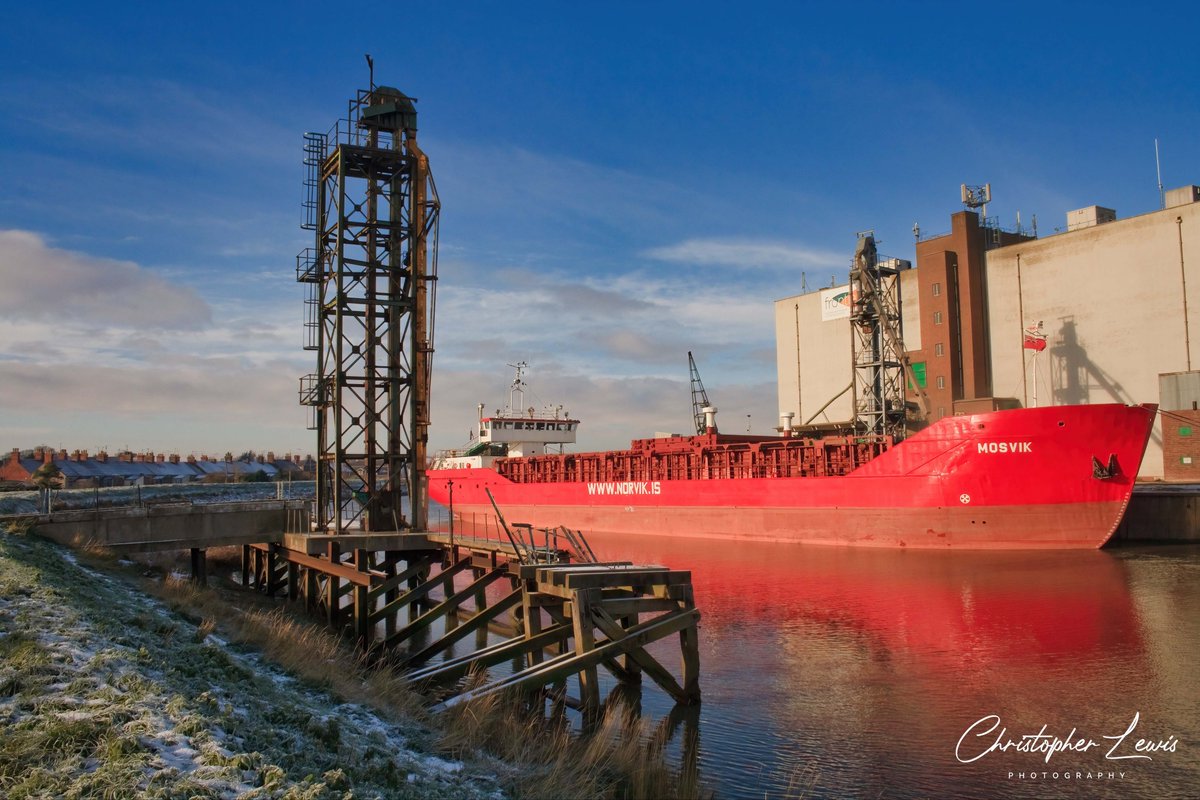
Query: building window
[939, 349]
[941, 411]
[941, 382]
[937, 290]
[937, 318]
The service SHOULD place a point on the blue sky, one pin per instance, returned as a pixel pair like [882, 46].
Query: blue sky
[621, 183]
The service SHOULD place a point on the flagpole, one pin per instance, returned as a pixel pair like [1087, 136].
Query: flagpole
[1034, 360]
[1021, 325]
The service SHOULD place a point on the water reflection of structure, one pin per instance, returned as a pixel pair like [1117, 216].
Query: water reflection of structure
[866, 665]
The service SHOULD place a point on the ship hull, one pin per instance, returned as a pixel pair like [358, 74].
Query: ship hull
[1057, 478]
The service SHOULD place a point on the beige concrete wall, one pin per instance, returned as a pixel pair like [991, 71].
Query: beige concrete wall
[821, 368]
[1111, 300]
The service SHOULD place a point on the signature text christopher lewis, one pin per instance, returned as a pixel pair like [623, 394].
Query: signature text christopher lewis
[988, 735]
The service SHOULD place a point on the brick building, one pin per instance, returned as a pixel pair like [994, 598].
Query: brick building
[1111, 296]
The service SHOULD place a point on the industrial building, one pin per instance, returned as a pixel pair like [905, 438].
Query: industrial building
[1101, 312]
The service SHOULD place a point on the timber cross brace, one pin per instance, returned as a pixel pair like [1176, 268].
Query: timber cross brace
[416, 597]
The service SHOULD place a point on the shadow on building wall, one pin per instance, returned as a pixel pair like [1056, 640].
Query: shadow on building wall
[1076, 379]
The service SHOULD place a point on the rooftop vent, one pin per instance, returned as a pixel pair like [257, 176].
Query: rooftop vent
[1182, 196]
[1089, 217]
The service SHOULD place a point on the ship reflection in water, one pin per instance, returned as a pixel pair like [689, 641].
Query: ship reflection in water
[856, 672]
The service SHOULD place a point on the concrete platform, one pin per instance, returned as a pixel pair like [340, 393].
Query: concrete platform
[1162, 512]
[180, 526]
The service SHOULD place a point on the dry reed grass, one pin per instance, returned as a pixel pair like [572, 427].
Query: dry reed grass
[620, 758]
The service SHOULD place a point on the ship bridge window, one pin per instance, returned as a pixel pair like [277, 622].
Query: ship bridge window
[541, 426]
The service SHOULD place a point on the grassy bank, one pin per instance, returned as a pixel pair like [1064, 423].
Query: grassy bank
[105, 692]
[116, 683]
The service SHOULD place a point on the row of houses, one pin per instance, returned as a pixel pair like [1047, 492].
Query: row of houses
[81, 470]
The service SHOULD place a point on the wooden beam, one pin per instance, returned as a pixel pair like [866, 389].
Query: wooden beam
[571, 663]
[446, 606]
[479, 621]
[392, 582]
[490, 656]
[585, 642]
[651, 667]
[423, 590]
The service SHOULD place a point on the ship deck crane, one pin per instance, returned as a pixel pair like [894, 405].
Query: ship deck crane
[699, 396]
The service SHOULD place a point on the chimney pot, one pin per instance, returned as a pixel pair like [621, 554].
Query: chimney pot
[160, 458]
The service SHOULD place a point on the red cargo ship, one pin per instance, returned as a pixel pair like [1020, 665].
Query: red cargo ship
[1057, 477]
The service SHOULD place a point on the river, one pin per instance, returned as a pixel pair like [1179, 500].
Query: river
[837, 672]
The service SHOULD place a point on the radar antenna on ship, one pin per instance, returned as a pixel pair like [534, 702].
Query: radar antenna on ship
[699, 396]
[516, 392]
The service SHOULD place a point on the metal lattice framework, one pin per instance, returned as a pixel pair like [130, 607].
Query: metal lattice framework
[372, 204]
[699, 396]
[877, 350]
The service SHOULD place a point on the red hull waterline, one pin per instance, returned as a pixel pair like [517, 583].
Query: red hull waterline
[1058, 477]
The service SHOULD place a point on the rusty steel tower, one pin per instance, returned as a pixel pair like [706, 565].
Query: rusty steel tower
[881, 364]
[371, 202]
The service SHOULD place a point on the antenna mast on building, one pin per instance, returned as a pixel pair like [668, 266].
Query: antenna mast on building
[880, 362]
[371, 202]
[1162, 198]
[699, 396]
[977, 197]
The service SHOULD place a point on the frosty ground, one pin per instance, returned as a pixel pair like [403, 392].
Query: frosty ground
[105, 691]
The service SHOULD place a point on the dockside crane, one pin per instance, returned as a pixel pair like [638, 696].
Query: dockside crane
[699, 396]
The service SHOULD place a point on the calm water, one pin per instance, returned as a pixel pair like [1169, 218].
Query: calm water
[856, 673]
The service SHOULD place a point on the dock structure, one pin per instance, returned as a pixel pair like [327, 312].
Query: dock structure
[410, 598]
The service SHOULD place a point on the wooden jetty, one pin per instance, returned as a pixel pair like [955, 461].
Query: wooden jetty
[410, 598]
[561, 613]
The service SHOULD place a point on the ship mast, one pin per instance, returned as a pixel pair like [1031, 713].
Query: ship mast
[516, 392]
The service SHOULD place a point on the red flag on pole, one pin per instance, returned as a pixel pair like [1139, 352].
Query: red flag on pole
[1034, 338]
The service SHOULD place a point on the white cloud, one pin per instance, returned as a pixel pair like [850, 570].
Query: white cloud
[747, 254]
[39, 281]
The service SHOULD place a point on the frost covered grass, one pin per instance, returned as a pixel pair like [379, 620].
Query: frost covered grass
[118, 682]
[104, 692]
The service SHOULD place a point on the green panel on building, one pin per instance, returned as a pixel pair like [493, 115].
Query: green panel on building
[1185, 431]
[918, 369]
